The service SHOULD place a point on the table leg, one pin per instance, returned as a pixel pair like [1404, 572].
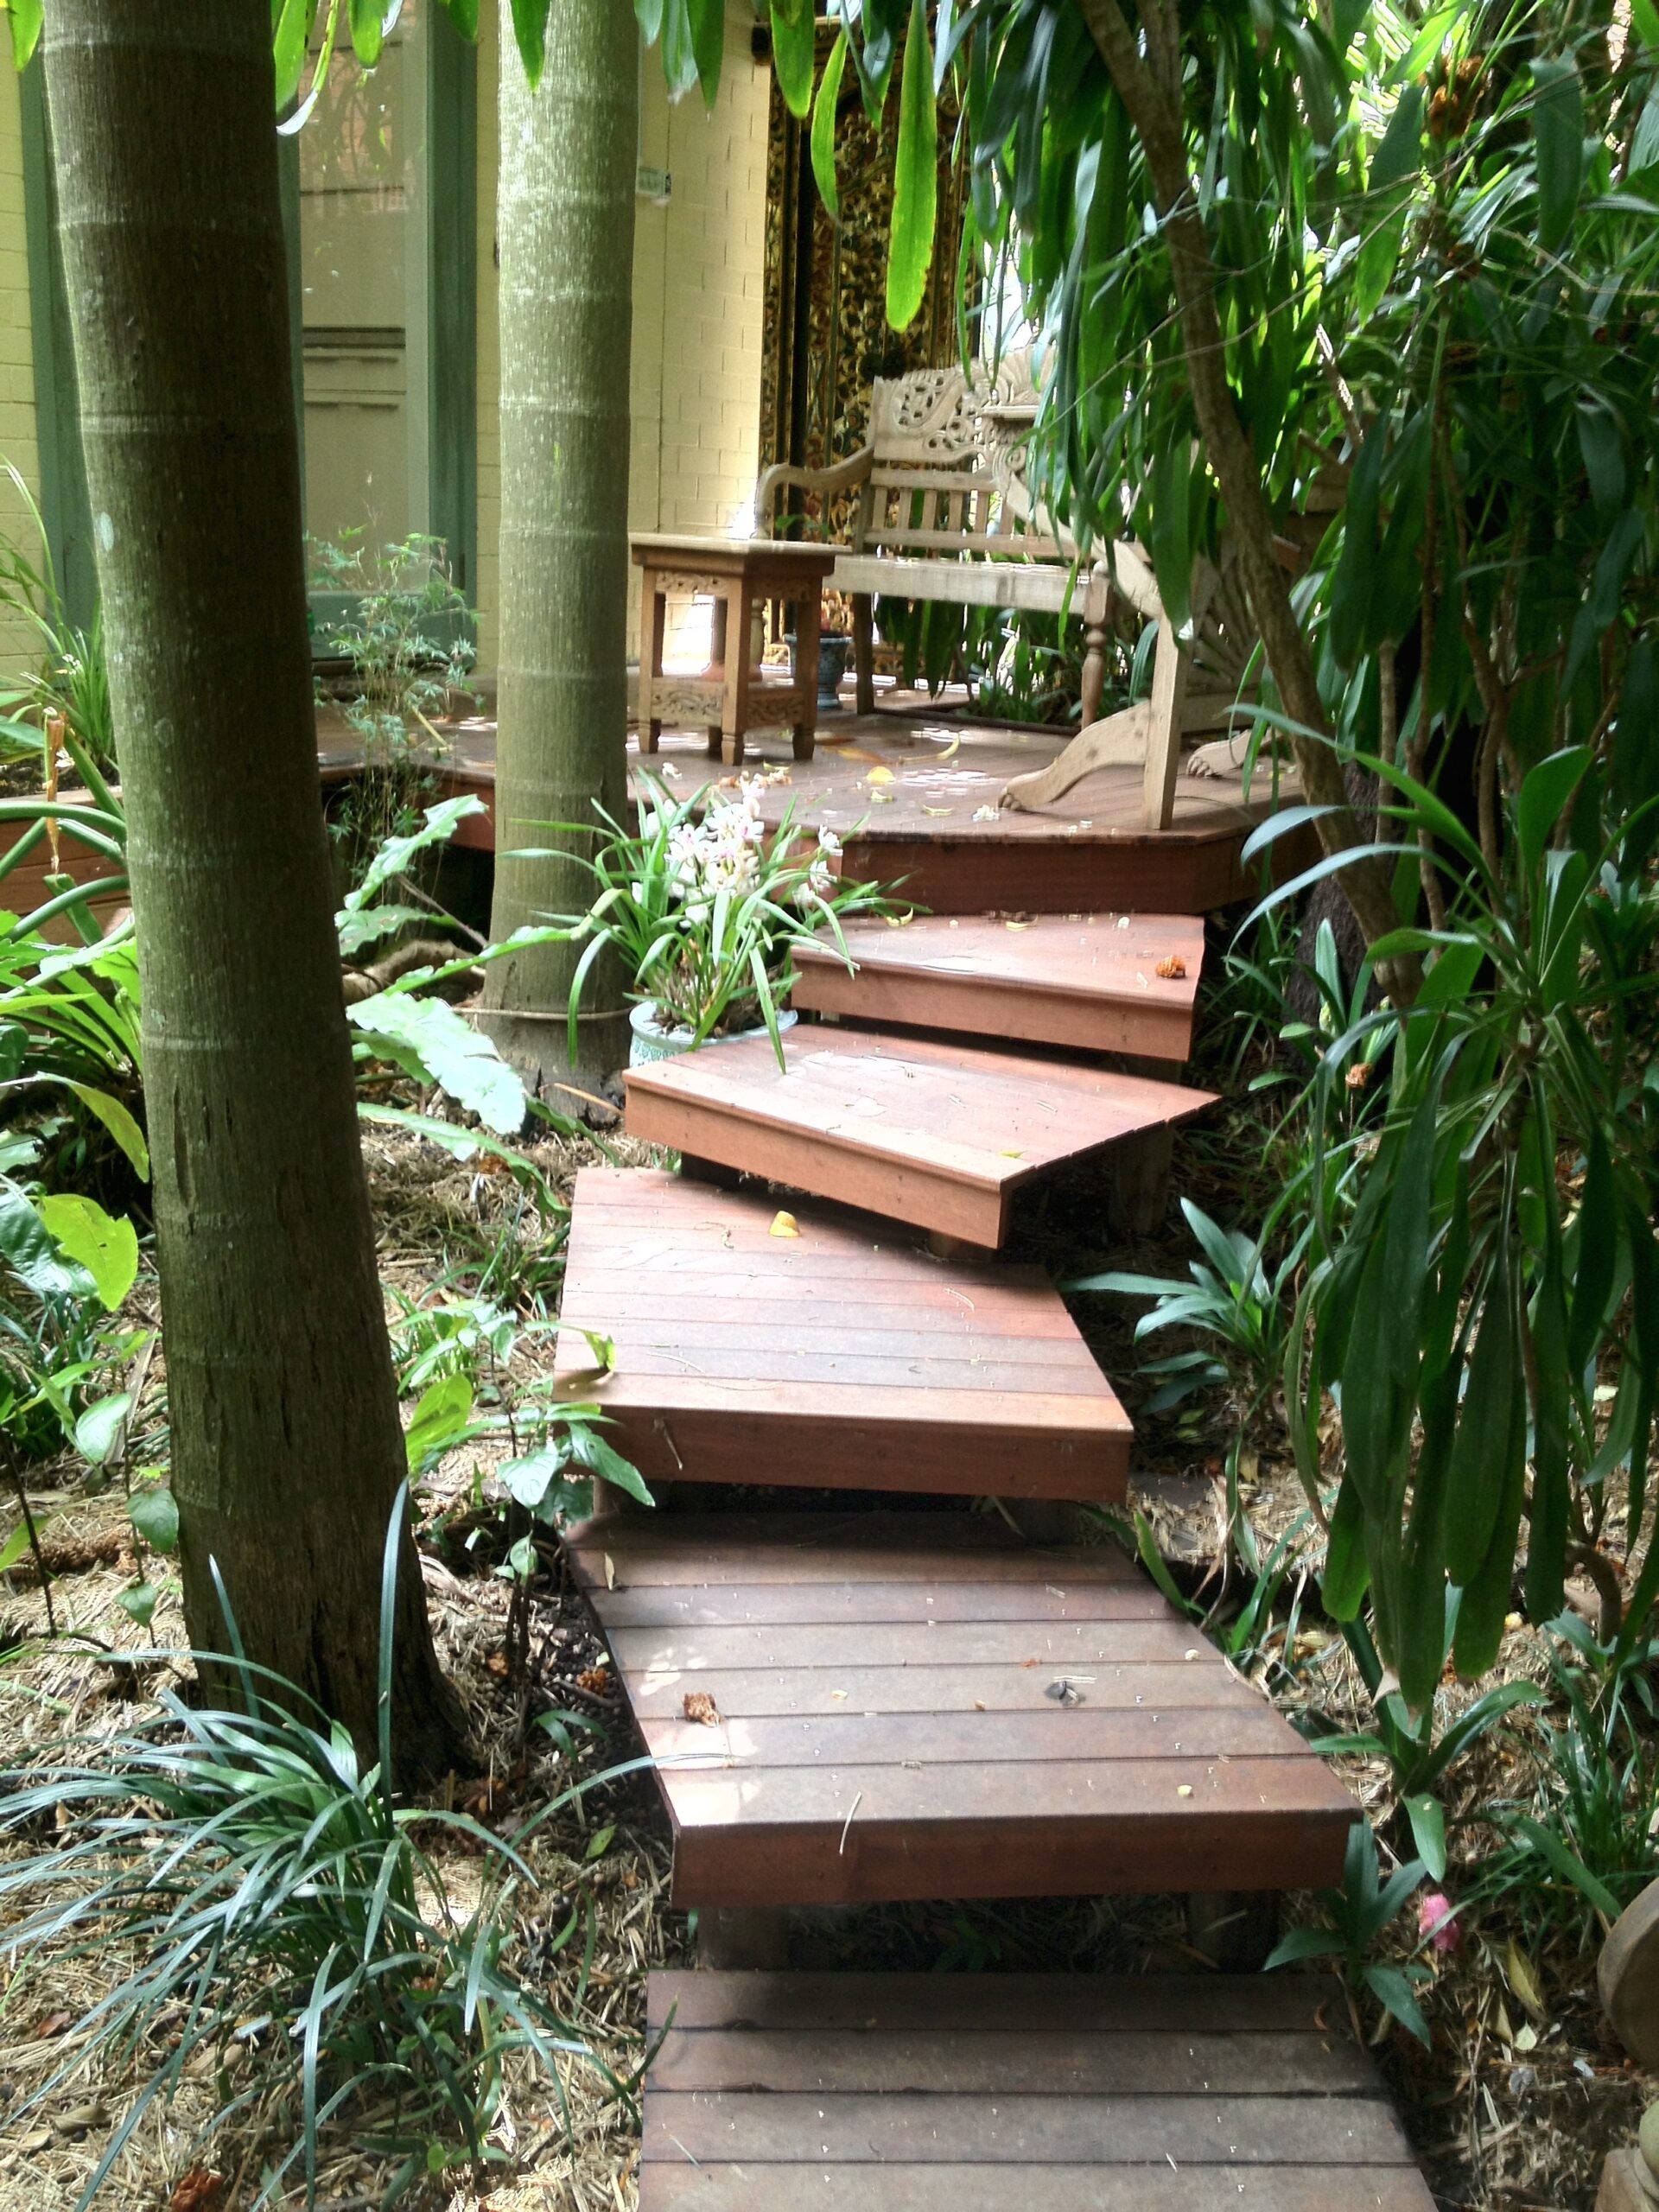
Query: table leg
[720, 646]
[654, 625]
[808, 615]
[734, 706]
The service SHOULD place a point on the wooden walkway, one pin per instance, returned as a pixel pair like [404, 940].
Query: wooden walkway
[913, 797]
[936, 1134]
[873, 1707]
[1093, 983]
[829, 1355]
[982, 2093]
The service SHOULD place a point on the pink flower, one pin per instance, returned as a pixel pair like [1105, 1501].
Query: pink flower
[1437, 1921]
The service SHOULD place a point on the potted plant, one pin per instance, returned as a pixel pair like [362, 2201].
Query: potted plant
[705, 910]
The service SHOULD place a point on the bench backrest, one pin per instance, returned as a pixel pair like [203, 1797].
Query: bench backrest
[930, 488]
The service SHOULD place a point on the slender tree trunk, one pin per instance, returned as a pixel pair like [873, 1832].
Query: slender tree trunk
[287, 1452]
[565, 227]
[1149, 85]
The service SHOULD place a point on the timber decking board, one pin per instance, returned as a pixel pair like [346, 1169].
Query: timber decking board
[870, 1739]
[971, 2093]
[939, 1135]
[986, 1387]
[1088, 982]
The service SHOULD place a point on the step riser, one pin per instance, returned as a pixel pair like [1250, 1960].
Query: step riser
[929, 1456]
[967, 1007]
[893, 1188]
[1003, 1859]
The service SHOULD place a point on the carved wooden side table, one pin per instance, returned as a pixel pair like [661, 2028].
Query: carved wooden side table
[729, 699]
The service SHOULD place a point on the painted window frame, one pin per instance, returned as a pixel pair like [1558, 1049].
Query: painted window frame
[451, 202]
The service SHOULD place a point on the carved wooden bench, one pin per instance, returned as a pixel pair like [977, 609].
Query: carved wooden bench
[943, 513]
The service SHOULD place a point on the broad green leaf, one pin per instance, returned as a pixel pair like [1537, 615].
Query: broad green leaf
[395, 853]
[1544, 795]
[154, 1514]
[357, 931]
[288, 43]
[463, 13]
[708, 44]
[105, 1245]
[138, 1600]
[529, 29]
[1479, 1467]
[1604, 454]
[1427, 1831]
[824, 128]
[368, 31]
[119, 1123]
[13, 1547]
[915, 177]
[28, 1248]
[1645, 16]
[1558, 135]
[442, 1415]
[600, 1842]
[428, 1038]
[98, 1430]
[794, 53]
[25, 17]
[1400, 154]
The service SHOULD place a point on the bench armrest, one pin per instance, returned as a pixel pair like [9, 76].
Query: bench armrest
[783, 475]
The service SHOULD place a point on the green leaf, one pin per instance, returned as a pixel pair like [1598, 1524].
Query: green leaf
[1567, 1863]
[119, 1123]
[13, 1547]
[138, 1599]
[427, 1039]
[154, 1514]
[443, 1414]
[1479, 1463]
[1401, 152]
[28, 1250]
[288, 42]
[708, 44]
[915, 177]
[394, 855]
[794, 53]
[463, 13]
[1544, 794]
[1428, 1831]
[824, 128]
[98, 1430]
[357, 932]
[25, 17]
[530, 29]
[599, 1843]
[105, 1246]
[368, 31]
[1304, 1943]
[1558, 134]
[1391, 1989]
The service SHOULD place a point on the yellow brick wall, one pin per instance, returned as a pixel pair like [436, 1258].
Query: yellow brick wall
[699, 267]
[17, 438]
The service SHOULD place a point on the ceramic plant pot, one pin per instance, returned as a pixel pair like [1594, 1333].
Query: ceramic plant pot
[652, 1041]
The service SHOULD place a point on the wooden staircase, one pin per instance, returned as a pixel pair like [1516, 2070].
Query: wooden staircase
[872, 1705]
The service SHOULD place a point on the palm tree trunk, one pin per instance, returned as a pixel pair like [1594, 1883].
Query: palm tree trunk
[565, 228]
[287, 1450]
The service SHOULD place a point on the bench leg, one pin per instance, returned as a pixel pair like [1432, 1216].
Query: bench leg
[1094, 672]
[864, 652]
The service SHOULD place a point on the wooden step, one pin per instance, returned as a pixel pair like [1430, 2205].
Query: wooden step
[1093, 983]
[974, 2092]
[936, 1135]
[833, 1356]
[915, 1705]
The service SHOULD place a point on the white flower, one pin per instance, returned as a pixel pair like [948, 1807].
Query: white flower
[828, 842]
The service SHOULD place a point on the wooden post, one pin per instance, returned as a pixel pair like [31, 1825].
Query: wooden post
[864, 652]
[1163, 727]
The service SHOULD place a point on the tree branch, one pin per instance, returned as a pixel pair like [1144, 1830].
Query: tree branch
[1157, 121]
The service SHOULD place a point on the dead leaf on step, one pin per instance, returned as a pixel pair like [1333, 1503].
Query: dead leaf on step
[1183, 1789]
[1522, 1978]
[1171, 968]
[784, 1224]
[698, 1706]
[610, 1572]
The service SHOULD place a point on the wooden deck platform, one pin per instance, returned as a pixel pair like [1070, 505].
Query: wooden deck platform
[938, 1135]
[980, 2093]
[917, 1706]
[832, 1355]
[913, 797]
[1089, 982]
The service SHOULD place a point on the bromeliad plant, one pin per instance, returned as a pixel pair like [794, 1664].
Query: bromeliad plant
[705, 909]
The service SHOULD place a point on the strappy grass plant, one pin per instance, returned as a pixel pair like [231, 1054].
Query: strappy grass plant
[705, 910]
[255, 1886]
